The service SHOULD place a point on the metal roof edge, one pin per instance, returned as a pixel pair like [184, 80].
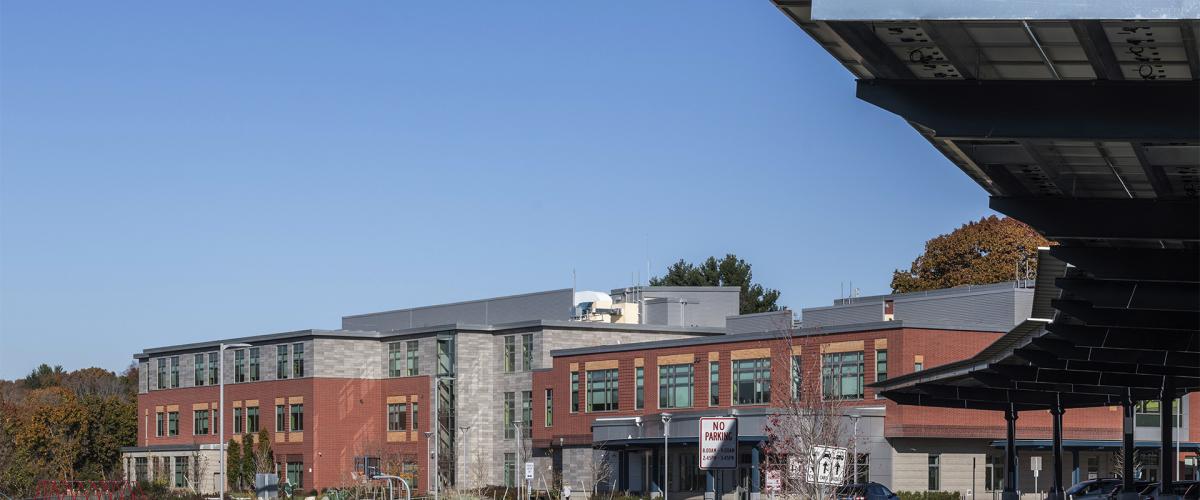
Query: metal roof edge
[461, 302]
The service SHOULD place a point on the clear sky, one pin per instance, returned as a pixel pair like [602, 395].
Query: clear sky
[177, 172]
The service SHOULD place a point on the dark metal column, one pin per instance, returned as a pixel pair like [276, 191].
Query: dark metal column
[1127, 485]
[1075, 466]
[1010, 455]
[754, 474]
[710, 486]
[1056, 488]
[1167, 455]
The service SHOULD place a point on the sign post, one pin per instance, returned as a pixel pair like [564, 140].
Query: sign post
[1035, 465]
[718, 443]
[529, 478]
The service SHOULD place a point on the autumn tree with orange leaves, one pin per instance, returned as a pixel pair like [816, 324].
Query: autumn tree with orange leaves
[992, 250]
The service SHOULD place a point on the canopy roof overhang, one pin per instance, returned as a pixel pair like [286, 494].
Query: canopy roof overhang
[1089, 444]
[1081, 119]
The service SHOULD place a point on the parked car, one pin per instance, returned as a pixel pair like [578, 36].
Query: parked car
[865, 491]
[1137, 486]
[1187, 490]
[1100, 489]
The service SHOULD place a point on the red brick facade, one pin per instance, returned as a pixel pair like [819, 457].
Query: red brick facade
[905, 347]
[343, 419]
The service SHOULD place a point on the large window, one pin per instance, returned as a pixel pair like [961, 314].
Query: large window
[397, 415]
[160, 423]
[510, 415]
[549, 407]
[752, 381]
[714, 383]
[446, 355]
[252, 419]
[639, 388]
[602, 390]
[181, 467]
[297, 417]
[213, 365]
[510, 354]
[527, 351]
[574, 392]
[141, 469]
[280, 418]
[675, 386]
[797, 386]
[174, 371]
[411, 357]
[199, 422]
[200, 360]
[298, 360]
[862, 473]
[1149, 413]
[416, 413]
[254, 364]
[239, 365]
[527, 413]
[281, 362]
[935, 472]
[880, 365]
[842, 375]
[162, 373]
[395, 358]
[993, 474]
[237, 420]
[295, 475]
[173, 423]
[510, 470]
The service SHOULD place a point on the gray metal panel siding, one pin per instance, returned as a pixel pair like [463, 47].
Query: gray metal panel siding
[769, 322]
[987, 308]
[550, 305]
[1022, 305]
[707, 306]
[656, 313]
[843, 315]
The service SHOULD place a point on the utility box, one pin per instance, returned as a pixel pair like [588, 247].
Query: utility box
[266, 486]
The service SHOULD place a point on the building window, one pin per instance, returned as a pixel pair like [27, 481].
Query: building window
[254, 364]
[510, 410]
[881, 365]
[510, 470]
[173, 423]
[1149, 413]
[239, 365]
[918, 363]
[159, 424]
[181, 467]
[201, 369]
[280, 418]
[252, 419]
[237, 420]
[416, 413]
[298, 360]
[200, 422]
[935, 472]
[141, 469]
[842, 375]
[527, 351]
[862, 474]
[281, 362]
[687, 472]
[510, 354]
[213, 365]
[397, 417]
[714, 383]
[446, 355]
[527, 413]
[297, 418]
[174, 371]
[796, 380]
[549, 407]
[574, 392]
[993, 474]
[602, 390]
[295, 475]
[639, 388]
[675, 386]
[395, 359]
[410, 357]
[752, 381]
[162, 373]
[1093, 467]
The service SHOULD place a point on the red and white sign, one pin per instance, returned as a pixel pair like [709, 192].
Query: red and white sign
[718, 443]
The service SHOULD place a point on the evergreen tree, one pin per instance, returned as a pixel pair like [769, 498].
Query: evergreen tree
[247, 463]
[233, 465]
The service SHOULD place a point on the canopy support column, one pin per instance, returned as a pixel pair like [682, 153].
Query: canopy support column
[1128, 490]
[1167, 455]
[1010, 455]
[1056, 489]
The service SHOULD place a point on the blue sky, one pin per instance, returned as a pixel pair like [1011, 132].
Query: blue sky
[177, 172]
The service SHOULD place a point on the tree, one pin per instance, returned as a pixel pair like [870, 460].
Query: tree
[233, 462]
[264, 458]
[248, 464]
[992, 250]
[728, 271]
[44, 376]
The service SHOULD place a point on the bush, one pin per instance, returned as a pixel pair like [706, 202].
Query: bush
[929, 495]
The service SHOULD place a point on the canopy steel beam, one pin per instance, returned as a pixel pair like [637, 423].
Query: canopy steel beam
[1098, 49]
[876, 56]
[1062, 109]
[1134, 294]
[1104, 218]
[1128, 318]
[1136, 264]
[1126, 338]
[1018, 396]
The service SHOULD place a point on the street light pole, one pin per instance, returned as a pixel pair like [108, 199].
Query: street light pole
[854, 448]
[666, 419]
[221, 407]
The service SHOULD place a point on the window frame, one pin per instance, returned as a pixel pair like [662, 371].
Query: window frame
[239, 368]
[836, 368]
[639, 387]
[797, 377]
[298, 360]
[509, 358]
[253, 358]
[575, 379]
[172, 423]
[510, 415]
[669, 384]
[281, 418]
[174, 371]
[397, 417]
[935, 472]
[296, 417]
[237, 420]
[283, 363]
[761, 386]
[200, 368]
[412, 357]
[714, 383]
[605, 383]
[527, 351]
[249, 420]
[548, 418]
